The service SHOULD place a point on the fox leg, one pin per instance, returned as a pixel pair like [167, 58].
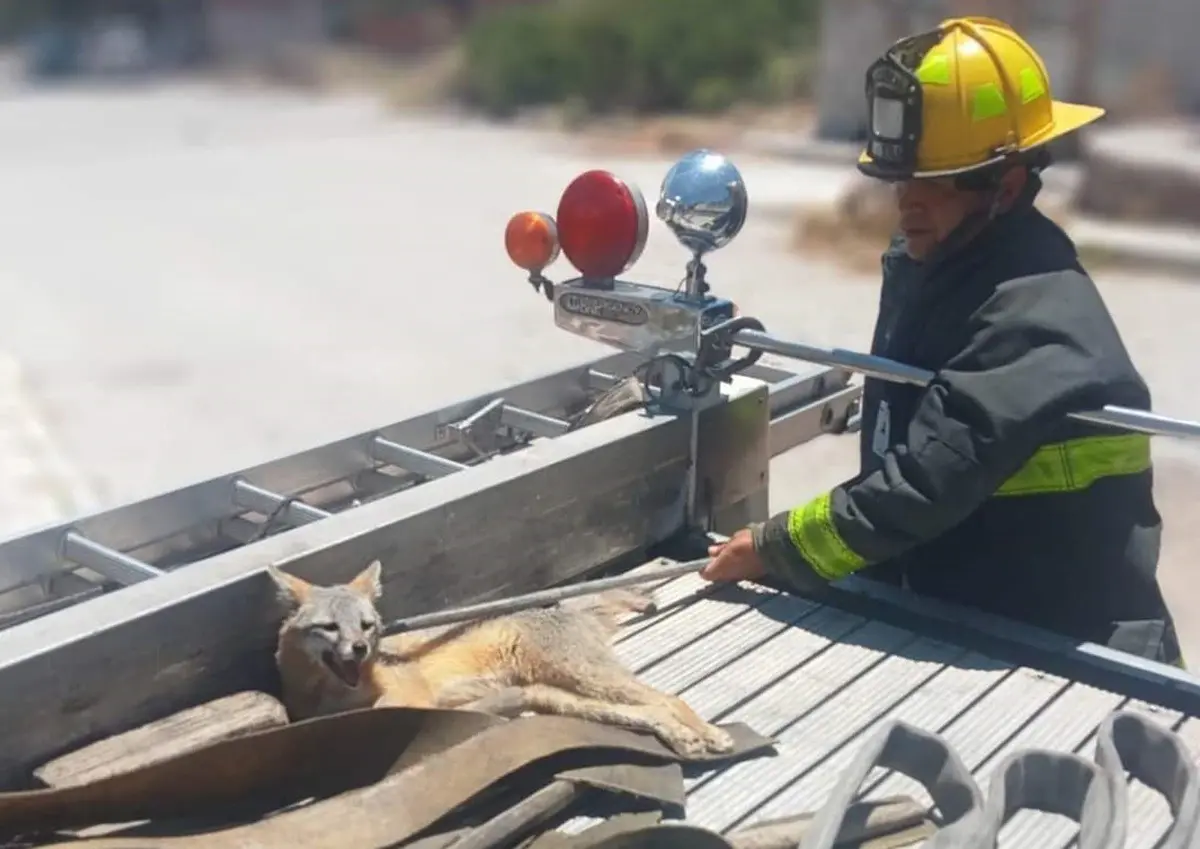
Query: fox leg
[659, 719]
[604, 678]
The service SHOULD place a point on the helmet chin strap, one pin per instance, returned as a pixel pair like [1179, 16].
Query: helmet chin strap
[993, 204]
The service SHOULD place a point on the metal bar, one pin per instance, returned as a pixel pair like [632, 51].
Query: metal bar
[598, 379]
[535, 423]
[246, 494]
[413, 460]
[515, 604]
[885, 369]
[111, 564]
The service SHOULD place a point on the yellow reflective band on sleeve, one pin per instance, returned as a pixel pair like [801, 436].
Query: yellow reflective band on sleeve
[1078, 463]
[813, 533]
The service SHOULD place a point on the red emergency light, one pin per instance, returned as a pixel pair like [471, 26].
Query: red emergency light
[531, 241]
[602, 224]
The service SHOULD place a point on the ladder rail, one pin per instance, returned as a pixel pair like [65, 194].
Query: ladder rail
[149, 530]
[143, 539]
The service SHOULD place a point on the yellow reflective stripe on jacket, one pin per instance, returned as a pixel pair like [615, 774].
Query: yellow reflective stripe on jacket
[813, 533]
[1076, 464]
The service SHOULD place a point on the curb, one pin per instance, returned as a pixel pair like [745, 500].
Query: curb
[38, 483]
[1174, 250]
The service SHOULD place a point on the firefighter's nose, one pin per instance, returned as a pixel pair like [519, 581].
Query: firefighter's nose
[359, 648]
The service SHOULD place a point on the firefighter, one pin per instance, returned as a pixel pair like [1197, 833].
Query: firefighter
[977, 489]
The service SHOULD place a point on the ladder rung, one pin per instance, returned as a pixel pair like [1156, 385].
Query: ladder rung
[100, 558]
[600, 379]
[535, 423]
[251, 497]
[413, 460]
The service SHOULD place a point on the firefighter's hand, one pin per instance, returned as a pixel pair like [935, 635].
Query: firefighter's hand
[736, 560]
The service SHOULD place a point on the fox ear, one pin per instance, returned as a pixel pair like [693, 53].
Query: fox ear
[292, 591]
[367, 582]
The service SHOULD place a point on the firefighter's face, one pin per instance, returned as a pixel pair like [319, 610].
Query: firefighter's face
[930, 209]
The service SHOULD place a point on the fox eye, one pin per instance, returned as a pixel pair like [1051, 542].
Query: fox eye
[328, 627]
[367, 626]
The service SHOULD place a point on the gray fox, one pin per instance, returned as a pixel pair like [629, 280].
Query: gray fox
[556, 660]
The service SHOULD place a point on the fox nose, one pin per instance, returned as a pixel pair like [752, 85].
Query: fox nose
[359, 648]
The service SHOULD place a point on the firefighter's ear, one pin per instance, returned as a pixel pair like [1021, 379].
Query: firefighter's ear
[1012, 183]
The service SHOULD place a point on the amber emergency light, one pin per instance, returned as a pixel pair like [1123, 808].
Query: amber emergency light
[531, 241]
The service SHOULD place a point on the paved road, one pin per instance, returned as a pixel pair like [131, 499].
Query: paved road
[195, 281]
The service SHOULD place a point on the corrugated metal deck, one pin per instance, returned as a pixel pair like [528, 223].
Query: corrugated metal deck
[822, 680]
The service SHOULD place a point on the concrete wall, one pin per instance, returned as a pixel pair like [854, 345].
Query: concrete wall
[853, 32]
[256, 29]
[1145, 50]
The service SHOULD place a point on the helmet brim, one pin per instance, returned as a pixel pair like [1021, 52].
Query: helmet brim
[1066, 118]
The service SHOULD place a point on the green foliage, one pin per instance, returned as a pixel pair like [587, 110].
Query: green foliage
[639, 55]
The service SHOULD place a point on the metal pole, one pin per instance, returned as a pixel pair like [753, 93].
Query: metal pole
[516, 604]
[890, 370]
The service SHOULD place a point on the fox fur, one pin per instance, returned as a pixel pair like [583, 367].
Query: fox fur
[559, 660]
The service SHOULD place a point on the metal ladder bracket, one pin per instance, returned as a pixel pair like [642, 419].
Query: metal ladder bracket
[478, 432]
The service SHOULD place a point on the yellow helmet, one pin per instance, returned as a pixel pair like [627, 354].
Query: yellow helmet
[968, 95]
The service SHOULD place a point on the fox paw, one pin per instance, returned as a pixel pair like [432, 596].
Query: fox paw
[692, 743]
[718, 741]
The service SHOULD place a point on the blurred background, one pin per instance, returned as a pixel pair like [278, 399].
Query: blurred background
[235, 229]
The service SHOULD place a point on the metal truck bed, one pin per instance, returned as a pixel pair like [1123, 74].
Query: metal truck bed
[821, 680]
[818, 674]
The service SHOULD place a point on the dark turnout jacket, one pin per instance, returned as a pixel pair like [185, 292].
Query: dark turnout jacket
[978, 489]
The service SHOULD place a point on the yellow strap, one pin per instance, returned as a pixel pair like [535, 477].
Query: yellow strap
[1078, 463]
[817, 539]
